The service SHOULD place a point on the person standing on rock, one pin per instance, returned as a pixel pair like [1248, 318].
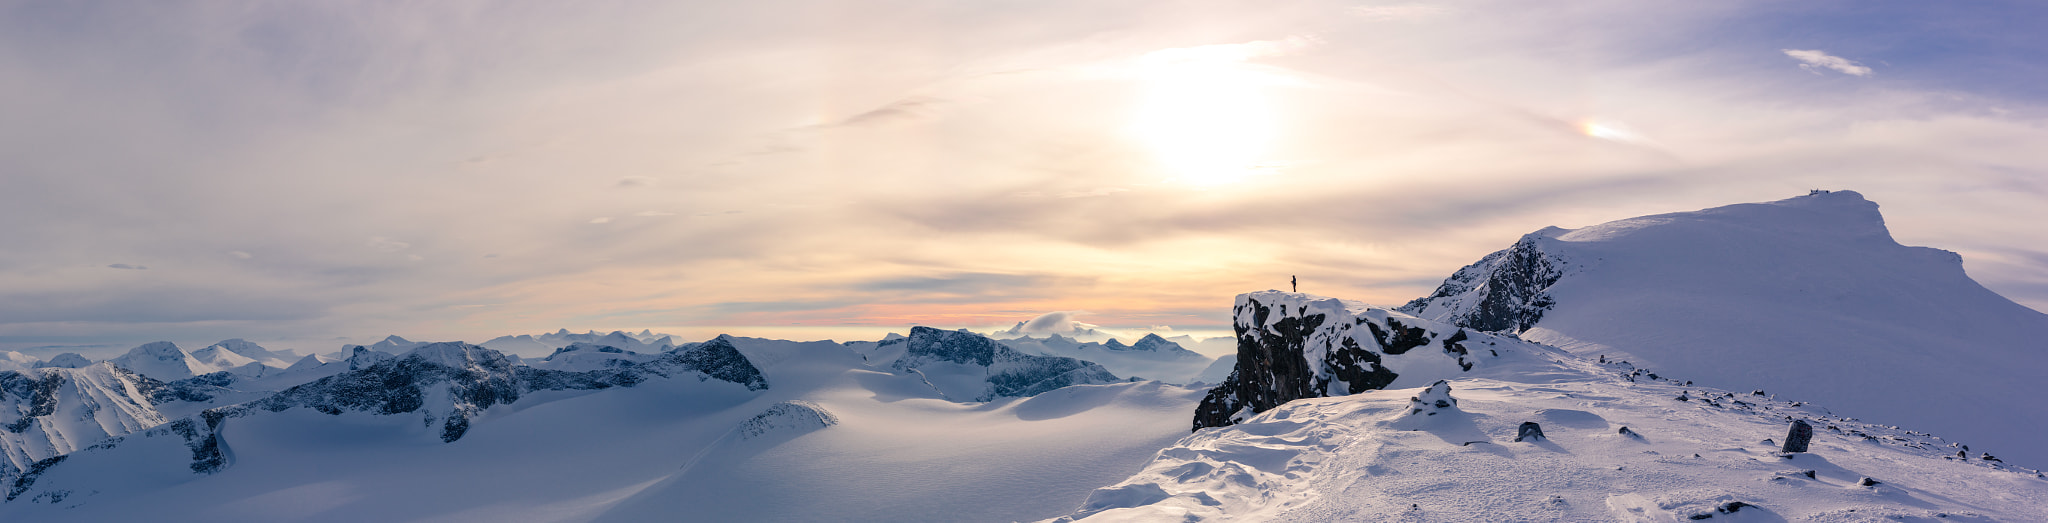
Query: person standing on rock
[1294, 283]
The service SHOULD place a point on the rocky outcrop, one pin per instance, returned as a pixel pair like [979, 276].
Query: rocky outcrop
[793, 416]
[1292, 346]
[1506, 291]
[948, 358]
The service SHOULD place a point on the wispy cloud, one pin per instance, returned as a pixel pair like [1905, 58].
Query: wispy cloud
[1398, 12]
[1815, 61]
[386, 244]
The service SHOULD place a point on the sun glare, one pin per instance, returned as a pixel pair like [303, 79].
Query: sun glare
[1205, 114]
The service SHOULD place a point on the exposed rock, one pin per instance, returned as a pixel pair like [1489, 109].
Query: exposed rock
[790, 416]
[1502, 292]
[1436, 400]
[1530, 431]
[1292, 346]
[1797, 439]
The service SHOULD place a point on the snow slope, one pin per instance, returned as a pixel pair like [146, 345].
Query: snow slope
[1366, 458]
[1807, 297]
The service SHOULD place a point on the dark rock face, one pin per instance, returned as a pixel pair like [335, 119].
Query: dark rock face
[927, 344]
[716, 358]
[1530, 431]
[1286, 351]
[1797, 439]
[1018, 375]
[41, 392]
[1503, 292]
[1010, 373]
[197, 388]
[28, 477]
[476, 378]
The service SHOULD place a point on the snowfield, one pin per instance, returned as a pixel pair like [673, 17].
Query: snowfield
[1366, 458]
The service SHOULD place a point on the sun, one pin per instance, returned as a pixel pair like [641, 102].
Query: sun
[1205, 115]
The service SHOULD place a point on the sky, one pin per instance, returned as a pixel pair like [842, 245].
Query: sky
[332, 172]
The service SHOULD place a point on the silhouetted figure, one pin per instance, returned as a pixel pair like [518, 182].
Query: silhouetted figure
[1294, 283]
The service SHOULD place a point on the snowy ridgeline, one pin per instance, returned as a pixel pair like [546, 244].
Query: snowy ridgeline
[1385, 426]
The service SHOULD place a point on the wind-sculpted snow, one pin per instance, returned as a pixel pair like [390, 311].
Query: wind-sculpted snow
[968, 366]
[1293, 346]
[1616, 446]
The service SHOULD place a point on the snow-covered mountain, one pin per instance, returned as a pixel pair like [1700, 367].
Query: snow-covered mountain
[1809, 298]
[166, 361]
[458, 429]
[68, 360]
[161, 360]
[1533, 433]
[965, 366]
[1151, 357]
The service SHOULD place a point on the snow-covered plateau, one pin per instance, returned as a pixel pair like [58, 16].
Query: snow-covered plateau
[1782, 361]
